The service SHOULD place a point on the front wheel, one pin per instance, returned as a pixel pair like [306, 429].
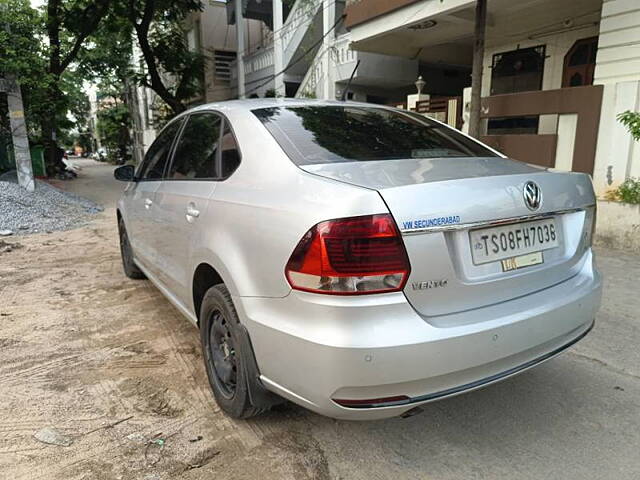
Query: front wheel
[225, 358]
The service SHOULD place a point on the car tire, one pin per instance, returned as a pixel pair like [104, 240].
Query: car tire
[131, 270]
[227, 361]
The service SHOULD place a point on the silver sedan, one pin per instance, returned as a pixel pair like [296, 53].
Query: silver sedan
[356, 259]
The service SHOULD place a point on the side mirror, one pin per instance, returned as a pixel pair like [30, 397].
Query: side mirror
[126, 173]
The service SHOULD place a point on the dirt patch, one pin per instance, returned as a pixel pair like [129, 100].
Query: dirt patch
[8, 247]
[148, 396]
[311, 461]
[94, 347]
[83, 347]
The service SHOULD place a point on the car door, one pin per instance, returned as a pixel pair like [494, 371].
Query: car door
[141, 221]
[183, 197]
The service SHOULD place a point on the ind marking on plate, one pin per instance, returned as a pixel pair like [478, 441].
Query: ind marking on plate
[522, 261]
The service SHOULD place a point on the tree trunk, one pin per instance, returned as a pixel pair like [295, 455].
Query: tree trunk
[50, 124]
[49, 128]
[142, 29]
[476, 72]
[88, 21]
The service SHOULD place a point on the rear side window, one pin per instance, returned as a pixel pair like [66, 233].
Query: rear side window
[157, 156]
[230, 153]
[195, 155]
[326, 134]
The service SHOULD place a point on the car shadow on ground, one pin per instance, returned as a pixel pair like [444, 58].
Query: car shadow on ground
[552, 412]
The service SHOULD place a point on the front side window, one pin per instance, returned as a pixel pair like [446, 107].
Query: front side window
[157, 156]
[327, 134]
[195, 155]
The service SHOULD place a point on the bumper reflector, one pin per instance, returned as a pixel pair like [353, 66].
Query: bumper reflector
[373, 402]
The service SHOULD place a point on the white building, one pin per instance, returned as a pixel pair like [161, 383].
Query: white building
[210, 33]
[555, 73]
[316, 59]
[141, 103]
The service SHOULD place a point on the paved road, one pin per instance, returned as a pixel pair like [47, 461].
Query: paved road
[130, 353]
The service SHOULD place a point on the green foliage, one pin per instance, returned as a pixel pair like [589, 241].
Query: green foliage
[25, 54]
[24, 57]
[21, 54]
[113, 129]
[168, 40]
[631, 120]
[629, 191]
[114, 118]
[308, 94]
[171, 69]
[108, 56]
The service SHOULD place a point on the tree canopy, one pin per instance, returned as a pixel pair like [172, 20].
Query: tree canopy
[172, 70]
[55, 50]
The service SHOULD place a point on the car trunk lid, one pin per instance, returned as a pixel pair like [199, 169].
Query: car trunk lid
[437, 202]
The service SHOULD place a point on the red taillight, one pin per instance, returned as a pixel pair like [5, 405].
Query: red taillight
[350, 256]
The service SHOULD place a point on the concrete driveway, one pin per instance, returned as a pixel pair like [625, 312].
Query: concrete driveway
[109, 363]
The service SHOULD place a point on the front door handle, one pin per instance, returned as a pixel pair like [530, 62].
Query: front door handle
[192, 212]
[147, 203]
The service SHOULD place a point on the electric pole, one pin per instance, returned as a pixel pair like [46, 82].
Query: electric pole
[19, 133]
[18, 128]
[476, 72]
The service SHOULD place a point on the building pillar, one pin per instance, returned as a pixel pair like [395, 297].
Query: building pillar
[617, 154]
[240, 48]
[278, 46]
[328, 20]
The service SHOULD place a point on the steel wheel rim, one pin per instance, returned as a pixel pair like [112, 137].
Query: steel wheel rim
[223, 354]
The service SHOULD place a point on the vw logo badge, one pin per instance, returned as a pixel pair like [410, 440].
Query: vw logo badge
[532, 195]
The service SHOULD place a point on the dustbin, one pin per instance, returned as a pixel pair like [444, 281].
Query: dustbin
[37, 161]
[6, 162]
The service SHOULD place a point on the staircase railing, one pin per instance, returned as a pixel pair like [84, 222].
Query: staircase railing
[292, 32]
[309, 86]
[340, 58]
[300, 18]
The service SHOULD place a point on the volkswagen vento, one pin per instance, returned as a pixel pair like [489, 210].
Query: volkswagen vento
[356, 259]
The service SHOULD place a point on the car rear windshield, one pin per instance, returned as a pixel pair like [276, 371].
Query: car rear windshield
[325, 134]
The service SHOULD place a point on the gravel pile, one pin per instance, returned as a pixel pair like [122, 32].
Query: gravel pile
[45, 210]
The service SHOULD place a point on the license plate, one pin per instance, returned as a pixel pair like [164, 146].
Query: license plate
[514, 240]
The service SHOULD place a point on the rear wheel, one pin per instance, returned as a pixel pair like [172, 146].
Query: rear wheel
[225, 358]
[131, 270]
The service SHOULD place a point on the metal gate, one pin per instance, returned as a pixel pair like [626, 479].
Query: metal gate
[443, 109]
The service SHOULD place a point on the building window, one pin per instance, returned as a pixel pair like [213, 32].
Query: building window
[513, 125]
[222, 65]
[518, 70]
[193, 38]
[580, 63]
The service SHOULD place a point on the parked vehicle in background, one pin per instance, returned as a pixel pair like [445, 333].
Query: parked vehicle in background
[357, 260]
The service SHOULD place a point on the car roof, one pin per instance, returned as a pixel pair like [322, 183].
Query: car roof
[246, 105]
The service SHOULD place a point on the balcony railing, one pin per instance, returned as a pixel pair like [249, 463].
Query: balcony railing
[443, 109]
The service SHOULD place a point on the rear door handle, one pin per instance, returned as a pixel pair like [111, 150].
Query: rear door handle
[192, 212]
[147, 203]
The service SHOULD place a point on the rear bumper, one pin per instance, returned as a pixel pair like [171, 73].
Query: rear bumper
[312, 348]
